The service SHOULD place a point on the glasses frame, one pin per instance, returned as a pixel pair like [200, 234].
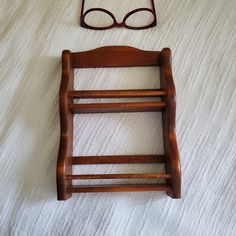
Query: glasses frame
[115, 23]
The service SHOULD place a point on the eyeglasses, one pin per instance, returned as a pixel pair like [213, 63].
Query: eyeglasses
[113, 22]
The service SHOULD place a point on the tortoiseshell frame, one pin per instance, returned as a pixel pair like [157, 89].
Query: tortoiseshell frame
[115, 23]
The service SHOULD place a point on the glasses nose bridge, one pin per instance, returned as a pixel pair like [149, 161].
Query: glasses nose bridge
[120, 25]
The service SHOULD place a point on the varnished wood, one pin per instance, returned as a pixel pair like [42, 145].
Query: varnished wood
[85, 160]
[117, 107]
[121, 176]
[66, 121]
[168, 118]
[118, 93]
[117, 56]
[118, 188]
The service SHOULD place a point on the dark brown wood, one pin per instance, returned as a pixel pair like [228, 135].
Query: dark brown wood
[121, 176]
[168, 118]
[85, 160]
[118, 93]
[118, 188]
[117, 56]
[117, 107]
[66, 120]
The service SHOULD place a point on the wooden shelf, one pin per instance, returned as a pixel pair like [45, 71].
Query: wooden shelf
[117, 56]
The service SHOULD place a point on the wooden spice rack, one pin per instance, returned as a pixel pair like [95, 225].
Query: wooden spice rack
[117, 56]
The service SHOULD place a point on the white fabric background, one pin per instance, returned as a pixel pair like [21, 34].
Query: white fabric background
[202, 36]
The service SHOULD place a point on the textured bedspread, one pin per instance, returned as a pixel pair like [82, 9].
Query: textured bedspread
[202, 36]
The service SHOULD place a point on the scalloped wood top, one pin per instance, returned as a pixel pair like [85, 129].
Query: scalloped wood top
[115, 56]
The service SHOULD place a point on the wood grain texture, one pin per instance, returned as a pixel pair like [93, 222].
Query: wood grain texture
[125, 159]
[118, 188]
[66, 121]
[168, 119]
[167, 106]
[122, 57]
[117, 107]
[118, 93]
[121, 176]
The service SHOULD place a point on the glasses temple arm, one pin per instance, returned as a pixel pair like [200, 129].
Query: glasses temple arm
[82, 10]
[153, 7]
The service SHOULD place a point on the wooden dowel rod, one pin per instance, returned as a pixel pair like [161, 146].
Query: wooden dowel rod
[121, 176]
[117, 107]
[118, 93]
[118, 188]
[125, 159]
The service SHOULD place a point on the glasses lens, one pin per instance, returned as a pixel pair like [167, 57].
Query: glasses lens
[98, 19]
[140, 19]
